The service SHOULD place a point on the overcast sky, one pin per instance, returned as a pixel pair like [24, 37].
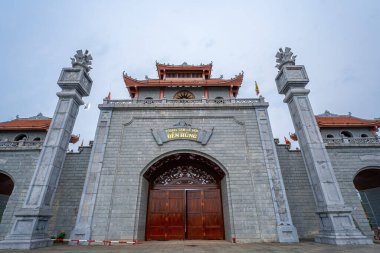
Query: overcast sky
[337, 41]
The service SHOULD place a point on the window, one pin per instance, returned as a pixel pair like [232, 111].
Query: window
[37, 139]
[347, 134]
[184, 94]
[148, 100]
[21, 137]
[330, 136]
[364, 136]
[219, 100]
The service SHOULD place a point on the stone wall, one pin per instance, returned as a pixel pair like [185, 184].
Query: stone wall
[347, 160]
[120, 207]
[298, 190]
[69, 191]
[20, 166]
[214, 92]
[152, 92]
[30, 135]
[356, 132]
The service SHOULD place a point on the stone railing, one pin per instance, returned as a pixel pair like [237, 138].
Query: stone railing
[352, 140]
[185, 101]
[20, 144]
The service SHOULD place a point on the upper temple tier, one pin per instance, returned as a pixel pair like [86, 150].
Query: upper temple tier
[196, 82]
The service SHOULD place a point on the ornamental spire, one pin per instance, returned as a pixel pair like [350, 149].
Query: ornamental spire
[285, 57]
[82, 60]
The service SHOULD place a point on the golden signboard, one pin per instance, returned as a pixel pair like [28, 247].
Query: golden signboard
[182, 131]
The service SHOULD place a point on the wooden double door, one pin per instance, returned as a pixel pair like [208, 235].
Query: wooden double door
[185, 214]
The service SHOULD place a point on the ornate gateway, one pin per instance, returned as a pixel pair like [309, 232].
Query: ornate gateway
[184, 199]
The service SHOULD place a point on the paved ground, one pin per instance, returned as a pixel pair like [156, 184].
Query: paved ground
[207, 246]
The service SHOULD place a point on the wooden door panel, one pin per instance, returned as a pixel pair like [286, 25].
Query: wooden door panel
[156, 233]
[204, 215]
[176, 215]
[166, 215]
[213, 234]
[194, 215]
[170, 211]
[212, 219]
[194, 205]
[212, 213]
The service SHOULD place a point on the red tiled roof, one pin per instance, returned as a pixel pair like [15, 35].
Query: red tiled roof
[183, 67]
[345, 121]
[31, 125]
[26, 124]
[133, 84]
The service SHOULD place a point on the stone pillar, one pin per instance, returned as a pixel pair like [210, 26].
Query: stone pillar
[30, 227]
[336, 223]
[83, 223]
[286, 232]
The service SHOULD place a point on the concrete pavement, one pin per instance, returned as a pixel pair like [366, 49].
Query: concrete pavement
[206, 246]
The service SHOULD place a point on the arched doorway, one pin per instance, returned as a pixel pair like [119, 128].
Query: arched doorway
[184, 199]
[367, 182]
[6, 188]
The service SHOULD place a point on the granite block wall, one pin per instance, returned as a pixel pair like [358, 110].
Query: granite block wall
[347, 161]
[30, 135]
[19, 165]
[69, 191]
[356, 132]
[214, 92]
[299, 193]
[120, 209]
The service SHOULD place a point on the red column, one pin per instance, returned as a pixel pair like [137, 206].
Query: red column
[205, 90]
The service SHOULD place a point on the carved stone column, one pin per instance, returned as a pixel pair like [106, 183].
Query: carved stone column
[83, 223]
[286, 231]
[30, 227]
[336, 223]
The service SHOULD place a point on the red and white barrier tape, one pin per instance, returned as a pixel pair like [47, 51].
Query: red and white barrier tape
[104, 242]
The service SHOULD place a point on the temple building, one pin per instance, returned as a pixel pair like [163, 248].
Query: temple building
[185, 158]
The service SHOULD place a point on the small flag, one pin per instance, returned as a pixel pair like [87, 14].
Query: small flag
[293, 136]
[257, 89]
[109, 96]
[287, 142]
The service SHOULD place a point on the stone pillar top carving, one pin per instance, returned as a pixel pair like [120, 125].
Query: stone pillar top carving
[290, 76]
[285, 57]
[82, 60]
[76, 78]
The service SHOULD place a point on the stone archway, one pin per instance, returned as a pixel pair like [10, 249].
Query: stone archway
[6, 188]
[367, 182]
[184, 199]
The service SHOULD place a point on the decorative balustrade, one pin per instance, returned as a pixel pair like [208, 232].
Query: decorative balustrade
[184, 101]
[21, 144]
[352, 140]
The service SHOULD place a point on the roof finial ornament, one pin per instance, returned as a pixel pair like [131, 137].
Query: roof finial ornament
[83, 60]
[285, 57]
